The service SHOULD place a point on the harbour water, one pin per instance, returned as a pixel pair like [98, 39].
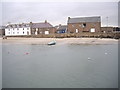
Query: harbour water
[59, 66]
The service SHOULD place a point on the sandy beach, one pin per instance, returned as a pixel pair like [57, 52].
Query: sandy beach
[60, 41]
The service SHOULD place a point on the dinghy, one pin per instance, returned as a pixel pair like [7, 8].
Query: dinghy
[52, 43]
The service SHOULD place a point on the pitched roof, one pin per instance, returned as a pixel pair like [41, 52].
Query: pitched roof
[23, 25]
[62, 27]
[84, 19]
[41, 25]
[2, 27]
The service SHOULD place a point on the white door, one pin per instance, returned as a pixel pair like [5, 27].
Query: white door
[35, 32]
[46, 32]
[92, 30]
[76, 30]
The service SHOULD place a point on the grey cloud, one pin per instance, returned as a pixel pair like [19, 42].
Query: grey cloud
[57, 12]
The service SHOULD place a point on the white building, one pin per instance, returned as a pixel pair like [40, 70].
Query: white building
[17, 29]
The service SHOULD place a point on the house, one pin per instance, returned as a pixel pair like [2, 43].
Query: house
[116, 29]
[42, 28]
[107, 29]
[2, 30]
[17, 29]
[84, 24]
[61, 28]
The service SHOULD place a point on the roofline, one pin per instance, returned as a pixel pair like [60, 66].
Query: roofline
[84, 17]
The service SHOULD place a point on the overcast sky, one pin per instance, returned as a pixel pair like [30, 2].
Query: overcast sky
[58, 12]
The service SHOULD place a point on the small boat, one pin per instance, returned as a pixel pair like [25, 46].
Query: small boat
[52, 43]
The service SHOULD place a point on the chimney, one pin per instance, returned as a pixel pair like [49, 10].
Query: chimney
[68, 18]
[45, 21]
[30, 22]
[59, 25]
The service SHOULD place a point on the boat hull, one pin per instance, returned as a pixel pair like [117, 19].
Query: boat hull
[52, 43]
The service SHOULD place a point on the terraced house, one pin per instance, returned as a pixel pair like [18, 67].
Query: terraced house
[84, 24]
[17, 29]
[42, 28]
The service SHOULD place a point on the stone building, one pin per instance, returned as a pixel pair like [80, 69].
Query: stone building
[107, 29]
[84, 24]
[61, 29]
[2, 30]
[42, 28]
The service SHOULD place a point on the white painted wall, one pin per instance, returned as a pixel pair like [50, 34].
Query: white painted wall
[19, 31]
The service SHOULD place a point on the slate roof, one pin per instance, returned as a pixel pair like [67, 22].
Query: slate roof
[84, 19]
[62, 27]
[23, 25]
[2, 27]
[41, 25]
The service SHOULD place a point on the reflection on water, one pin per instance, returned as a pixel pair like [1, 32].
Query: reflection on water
[63, 66]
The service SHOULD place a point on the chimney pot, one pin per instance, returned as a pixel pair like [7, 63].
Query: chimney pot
[68, 17]
[45, 21]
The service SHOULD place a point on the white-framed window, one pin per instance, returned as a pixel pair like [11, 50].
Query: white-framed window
[17, 32]
[46, 32]
[76, 30]
[92, 30]
[13, 32]
[17, 28]
[8, 32]
[27, 28]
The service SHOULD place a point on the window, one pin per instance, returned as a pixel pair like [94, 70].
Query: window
[23, 28]
[76, 30]
[13, 32]
[17, 28]
[46, 32]
[92, 30]
[84, 25]
[23, 32]
[17, 32]
[27, 28]
[8, 32]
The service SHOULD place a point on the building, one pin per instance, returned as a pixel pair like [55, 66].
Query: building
[107, 29]
[17, 29]
[2, 30]
[61, 29]
[42, 28]
[116, 29]
[84, 24]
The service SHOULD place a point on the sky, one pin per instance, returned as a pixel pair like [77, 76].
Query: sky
[57, 12]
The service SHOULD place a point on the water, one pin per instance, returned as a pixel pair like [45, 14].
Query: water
[60, 66]
[0, 66]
